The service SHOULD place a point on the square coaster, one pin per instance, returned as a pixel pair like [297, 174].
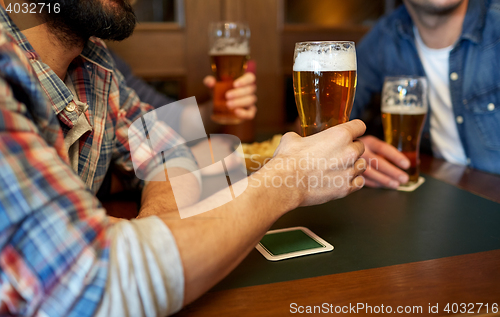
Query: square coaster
[289, 243]
[411, 188]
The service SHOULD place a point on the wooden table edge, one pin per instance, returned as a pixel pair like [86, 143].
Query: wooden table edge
[470, 278]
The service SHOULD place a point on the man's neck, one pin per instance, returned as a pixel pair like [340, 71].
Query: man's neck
[57, 54]
[438, 31]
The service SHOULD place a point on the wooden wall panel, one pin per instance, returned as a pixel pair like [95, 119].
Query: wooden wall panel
[154, 50]
[234, 10]
[199, 13]
[263, 17]
[171, 50]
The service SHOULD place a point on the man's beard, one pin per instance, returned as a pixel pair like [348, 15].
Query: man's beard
[78, 20]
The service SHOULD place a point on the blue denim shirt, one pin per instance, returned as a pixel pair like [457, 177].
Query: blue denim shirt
[389, 50]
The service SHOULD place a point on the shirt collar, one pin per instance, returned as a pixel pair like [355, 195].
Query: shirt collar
[60, 96]
[472, 27]
[404, 24]
[95, 50]
[474, 20]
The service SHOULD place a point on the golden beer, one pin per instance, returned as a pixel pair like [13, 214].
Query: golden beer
[404, 108]
[324, 83]
[323, 98]
[403, 131]
[226, 69]
[229, 52]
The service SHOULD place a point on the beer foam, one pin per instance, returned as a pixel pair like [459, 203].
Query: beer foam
[229, 48]
[337, 61]
[404, 110]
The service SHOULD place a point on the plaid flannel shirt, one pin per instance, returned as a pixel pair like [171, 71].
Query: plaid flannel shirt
[53, 243]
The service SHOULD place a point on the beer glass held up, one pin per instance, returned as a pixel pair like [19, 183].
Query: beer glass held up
[324, 83]
[404, 108]
[229, 53]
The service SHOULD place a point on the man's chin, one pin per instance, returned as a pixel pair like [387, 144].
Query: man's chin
[436, 7]
[106, 19]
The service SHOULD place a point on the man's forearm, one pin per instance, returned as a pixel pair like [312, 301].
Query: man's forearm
[158, 196]
[225, 235]
[211, 244]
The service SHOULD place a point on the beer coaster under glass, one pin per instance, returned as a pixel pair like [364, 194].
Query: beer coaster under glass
[411, 188]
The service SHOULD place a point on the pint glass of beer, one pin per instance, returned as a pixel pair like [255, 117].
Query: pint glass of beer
[404, 107]
[229, 53]
[324, 83]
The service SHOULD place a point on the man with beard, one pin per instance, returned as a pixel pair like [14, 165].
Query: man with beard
[455, 44]
[64, 116]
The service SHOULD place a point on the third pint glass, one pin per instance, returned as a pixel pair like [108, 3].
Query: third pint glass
[324, 83]
[404, 107]
[229, 52]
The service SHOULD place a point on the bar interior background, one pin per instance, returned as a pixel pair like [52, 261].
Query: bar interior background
[169, 47]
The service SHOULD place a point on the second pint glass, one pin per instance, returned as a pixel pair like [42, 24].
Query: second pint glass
[404, 107]
[324, 83]
[229, 52]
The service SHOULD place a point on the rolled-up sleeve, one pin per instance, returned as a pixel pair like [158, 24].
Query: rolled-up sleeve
[145, 262]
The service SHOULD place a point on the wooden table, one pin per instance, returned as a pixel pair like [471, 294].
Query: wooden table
[469, 278]
[466, 278]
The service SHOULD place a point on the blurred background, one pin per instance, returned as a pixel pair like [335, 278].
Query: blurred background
[169, 48]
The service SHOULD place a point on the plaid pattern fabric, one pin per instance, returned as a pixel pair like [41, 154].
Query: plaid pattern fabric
[112, 108]
[53, 246]
[53, 241]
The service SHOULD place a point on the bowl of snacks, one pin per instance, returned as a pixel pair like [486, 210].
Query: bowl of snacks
[259, 153]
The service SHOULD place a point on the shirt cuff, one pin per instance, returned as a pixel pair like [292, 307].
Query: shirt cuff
[145, 276]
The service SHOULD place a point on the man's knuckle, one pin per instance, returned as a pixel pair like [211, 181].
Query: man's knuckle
[288, 136]
[352, 154]
[342, 133]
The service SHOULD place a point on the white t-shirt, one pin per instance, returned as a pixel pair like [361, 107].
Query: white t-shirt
[444, 133]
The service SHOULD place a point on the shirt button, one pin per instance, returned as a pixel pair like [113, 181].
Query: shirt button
[460, 119]
[453, 76]
[89, 67]
[491, 107]
[468, 161]
[71, 107]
